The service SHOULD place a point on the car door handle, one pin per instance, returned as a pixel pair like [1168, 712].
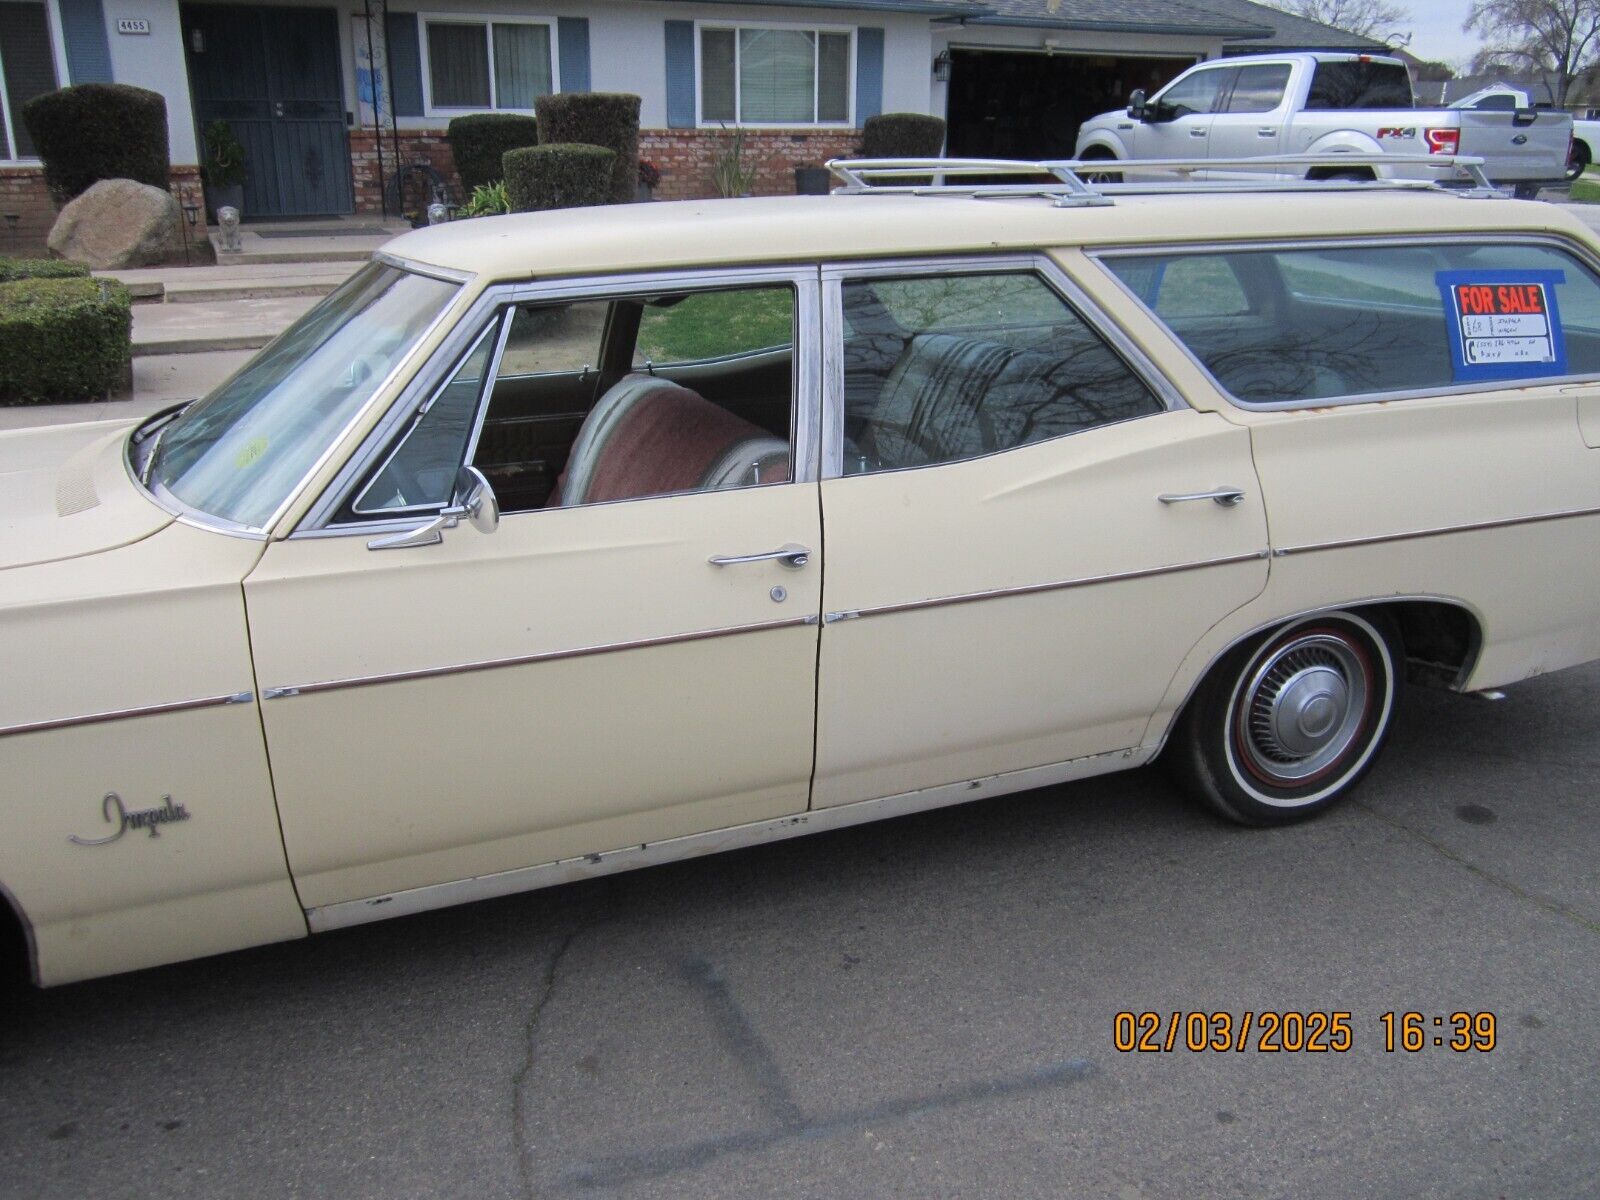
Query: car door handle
[1265, 133]
[1197, 133]
[789, 555]
[1225, 496]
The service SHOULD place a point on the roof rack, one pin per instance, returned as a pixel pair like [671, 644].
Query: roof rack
[1075, 183]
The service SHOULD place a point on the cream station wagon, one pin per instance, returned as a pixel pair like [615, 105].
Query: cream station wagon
[557, 544]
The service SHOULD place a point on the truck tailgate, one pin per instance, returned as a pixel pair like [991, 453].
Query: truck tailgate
[1525, 145]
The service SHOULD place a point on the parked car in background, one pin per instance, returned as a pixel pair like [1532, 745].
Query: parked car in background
[1276, 104]
[553, 545]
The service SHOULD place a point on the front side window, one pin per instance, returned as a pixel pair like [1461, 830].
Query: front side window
[1259, 88]
[1195, 93]
[27, 62]
[488, 64]
[756, 75]
[239, 454]
[1283, 326]
[600, 400]
[943, 368]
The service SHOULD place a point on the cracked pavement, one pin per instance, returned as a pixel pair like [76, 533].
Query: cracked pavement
[922, 1007]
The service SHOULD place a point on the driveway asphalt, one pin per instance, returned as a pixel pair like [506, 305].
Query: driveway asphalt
[918, 1008]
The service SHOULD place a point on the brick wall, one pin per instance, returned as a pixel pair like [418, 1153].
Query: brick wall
[426, 146]
[685, 156]
[27, 212]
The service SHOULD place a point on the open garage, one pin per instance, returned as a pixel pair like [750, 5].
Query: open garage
[1015, 103]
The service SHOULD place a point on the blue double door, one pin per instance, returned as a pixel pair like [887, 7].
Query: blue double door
[273, 75]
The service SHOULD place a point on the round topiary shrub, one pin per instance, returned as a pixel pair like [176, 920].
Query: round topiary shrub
[558, 176]
[609, 119]
[902, 135]
[480, 141]
[96, 131]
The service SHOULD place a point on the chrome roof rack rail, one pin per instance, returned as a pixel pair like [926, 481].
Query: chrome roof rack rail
[1076, 183]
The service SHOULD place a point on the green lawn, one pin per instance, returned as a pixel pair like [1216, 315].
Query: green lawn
[710, 324]
[1586, 188]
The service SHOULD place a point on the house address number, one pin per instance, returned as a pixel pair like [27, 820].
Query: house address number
[132, 25]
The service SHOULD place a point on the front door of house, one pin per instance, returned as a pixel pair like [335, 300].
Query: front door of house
[273, 75]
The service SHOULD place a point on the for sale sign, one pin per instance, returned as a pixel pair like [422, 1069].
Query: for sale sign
[1503, 324]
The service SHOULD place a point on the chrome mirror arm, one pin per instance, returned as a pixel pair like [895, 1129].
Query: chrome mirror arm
[477, 504]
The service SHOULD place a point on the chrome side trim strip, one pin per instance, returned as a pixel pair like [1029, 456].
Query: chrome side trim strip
[1031, 588]
[696, 845]
[491, 664]
[1437, 531]
[120, 714]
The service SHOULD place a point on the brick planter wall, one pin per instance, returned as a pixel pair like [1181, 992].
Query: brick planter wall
[685, 156]
[23, 194]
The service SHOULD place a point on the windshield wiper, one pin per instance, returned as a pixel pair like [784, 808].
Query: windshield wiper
[156, 426]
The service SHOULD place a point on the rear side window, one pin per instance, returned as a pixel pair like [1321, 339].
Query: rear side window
[1357, 84]
[943, 368]
[1259, 88]
[1283, 326]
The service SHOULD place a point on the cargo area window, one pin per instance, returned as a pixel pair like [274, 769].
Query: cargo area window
[1285, 326]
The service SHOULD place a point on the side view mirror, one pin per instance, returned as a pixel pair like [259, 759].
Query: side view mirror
[474, 499]
[1136, 104]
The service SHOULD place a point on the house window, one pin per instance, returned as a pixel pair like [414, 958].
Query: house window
[488, 64]
[775, 75]
[27, 69]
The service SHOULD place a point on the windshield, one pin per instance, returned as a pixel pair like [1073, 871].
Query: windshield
[239, 453]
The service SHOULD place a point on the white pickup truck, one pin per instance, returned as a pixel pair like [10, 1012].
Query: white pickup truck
[1502, 97]
[1275, 104]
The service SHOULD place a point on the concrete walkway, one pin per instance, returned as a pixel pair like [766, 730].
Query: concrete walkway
[178, 285]
[202, 326]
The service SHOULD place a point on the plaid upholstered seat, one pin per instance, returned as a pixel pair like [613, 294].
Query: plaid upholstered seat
[647, 436]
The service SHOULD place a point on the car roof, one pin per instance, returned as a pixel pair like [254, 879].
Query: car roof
[803, 229]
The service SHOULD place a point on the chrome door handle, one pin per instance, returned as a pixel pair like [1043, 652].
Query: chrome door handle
[1266, 133]
[789, 555]
[1225, 496]
[1197, 133]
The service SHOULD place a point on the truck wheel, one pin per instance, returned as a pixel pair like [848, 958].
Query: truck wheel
[1577, 160]
[1099, 155]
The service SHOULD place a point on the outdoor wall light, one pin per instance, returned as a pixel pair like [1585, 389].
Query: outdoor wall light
[941, 66]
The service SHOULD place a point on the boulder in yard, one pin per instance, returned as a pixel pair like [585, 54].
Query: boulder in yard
[117, 223]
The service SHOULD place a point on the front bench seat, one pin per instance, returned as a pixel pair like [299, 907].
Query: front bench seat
[648, 436]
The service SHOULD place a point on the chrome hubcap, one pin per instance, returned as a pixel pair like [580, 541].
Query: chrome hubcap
[1303, 708]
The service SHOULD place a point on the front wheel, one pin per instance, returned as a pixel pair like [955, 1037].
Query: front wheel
[1287, 723]
[1092, 176]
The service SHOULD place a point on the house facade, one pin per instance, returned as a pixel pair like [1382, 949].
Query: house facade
[330, 97]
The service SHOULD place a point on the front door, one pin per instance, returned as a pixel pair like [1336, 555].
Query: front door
[1022, 546]
[632, 663]
[273, 75]
[1186, 111]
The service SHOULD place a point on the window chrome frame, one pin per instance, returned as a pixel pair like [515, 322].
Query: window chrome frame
[1575, 250]
[1038, 263]
[805, 405]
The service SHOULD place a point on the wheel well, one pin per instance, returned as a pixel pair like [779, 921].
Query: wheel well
[1097, 154]
[1341, 173]
[17, 965]
[1440, 641]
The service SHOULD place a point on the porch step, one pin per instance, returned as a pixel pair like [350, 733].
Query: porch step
[187, 285]
[306, 244]
[202, 326]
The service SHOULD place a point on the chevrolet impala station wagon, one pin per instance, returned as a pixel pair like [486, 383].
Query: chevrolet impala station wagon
[555, 544]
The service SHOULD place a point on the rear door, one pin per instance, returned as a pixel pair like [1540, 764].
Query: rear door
[1253, 119]
[1022, 543]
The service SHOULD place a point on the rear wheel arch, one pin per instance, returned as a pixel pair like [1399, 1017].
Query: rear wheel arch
[19, 958]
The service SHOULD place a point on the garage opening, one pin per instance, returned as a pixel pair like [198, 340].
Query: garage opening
[1029, 104]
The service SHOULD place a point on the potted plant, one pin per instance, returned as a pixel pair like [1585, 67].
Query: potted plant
[812, 179]
[222, 169]
[649, 177]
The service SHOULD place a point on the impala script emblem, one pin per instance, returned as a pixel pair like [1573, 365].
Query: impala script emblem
[150, 819]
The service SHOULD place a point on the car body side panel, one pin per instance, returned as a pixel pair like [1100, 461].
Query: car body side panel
[1477, 500]
[159, 622]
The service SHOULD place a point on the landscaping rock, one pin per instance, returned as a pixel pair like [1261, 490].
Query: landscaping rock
[117, 223]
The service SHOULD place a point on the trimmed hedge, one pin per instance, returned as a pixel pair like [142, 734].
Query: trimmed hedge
[902, 135]
[480, 141]
[558, 176]
[63, 339]
[40, 268]
[96, 131]
[609, 119]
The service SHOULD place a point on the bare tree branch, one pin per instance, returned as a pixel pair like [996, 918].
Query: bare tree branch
[1376, 19]
[1558, 37]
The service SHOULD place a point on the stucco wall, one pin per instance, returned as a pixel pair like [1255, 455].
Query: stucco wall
[155, 61]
